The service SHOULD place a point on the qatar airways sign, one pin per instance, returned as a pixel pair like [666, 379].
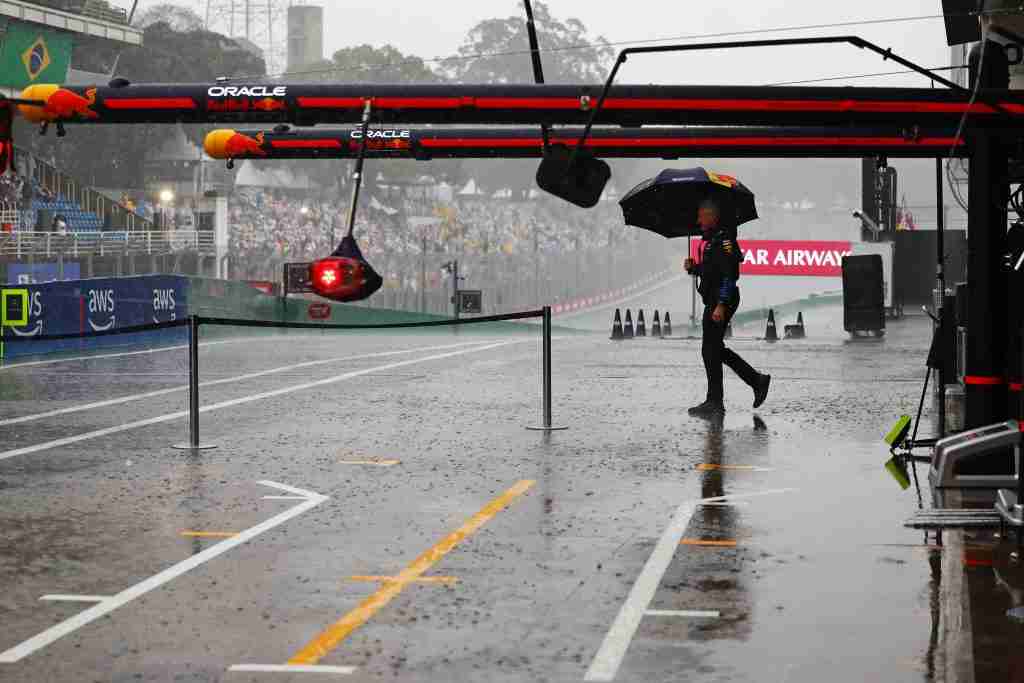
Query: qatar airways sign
[783, 257]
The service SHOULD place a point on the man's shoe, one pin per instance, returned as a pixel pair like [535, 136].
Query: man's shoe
[708, 408]
[761, 391]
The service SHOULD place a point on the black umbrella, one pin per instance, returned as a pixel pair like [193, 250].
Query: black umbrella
[667, 203]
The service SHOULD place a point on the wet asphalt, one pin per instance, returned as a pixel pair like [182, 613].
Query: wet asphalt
[481, 551]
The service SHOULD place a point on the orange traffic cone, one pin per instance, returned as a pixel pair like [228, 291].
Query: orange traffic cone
[617, 326]
[627, 329]
[770, 333]
[666, 330]
[641, 326]
[656, 326]
[795, 331]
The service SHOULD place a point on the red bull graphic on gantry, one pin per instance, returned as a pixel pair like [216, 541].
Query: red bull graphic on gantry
[906, 109]
[527, 143]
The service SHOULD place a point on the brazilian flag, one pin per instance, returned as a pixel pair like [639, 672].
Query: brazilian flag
[31, 54]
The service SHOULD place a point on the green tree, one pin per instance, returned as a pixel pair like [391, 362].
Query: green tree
[115, 155]
[181, 19]
[497, 51]
[368, 64]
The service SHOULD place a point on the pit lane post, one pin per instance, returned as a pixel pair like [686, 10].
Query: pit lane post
[193, 390]
[546, 372]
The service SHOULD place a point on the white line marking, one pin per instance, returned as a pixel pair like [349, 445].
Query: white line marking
[110, 604]
[293, 668]
[99, 356]
[609, 656]
[283, 498]
[618, 302]
[226, 380]
[75, 598]
[371, 463]
[689, 613]
[160, 419]
[723, 504]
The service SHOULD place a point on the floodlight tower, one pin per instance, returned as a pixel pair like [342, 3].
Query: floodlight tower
[261, 23]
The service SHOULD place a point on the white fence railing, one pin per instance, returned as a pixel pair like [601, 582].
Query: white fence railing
[10, 217]
[23, 244]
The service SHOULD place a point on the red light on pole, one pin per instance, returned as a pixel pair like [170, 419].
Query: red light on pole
[341, 278]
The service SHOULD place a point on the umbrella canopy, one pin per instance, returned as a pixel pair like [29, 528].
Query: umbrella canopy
[667, 203]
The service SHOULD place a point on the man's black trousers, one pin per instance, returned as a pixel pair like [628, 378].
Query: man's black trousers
[715, 353]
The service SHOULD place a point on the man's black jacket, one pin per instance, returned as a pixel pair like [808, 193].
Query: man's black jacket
[719, 269]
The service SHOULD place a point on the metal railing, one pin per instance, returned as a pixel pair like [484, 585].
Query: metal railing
[96, 9]
[22, 244]
[10, 217]
[71, 189]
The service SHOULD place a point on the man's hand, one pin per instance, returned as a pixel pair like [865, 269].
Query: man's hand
[688, 265]
[718, 315]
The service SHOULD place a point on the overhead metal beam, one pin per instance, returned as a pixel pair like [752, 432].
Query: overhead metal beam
[626, 105]
[528, 143]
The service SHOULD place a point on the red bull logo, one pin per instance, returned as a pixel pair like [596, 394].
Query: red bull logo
[230, 144]
[722, 179]
[268, 104]
[397, 145]
[58, 104]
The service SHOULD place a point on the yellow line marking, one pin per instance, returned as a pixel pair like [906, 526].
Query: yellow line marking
[210, 534]
[704, 541]
[707, 467]
[320, 646]
[378, 463]
[447, 580]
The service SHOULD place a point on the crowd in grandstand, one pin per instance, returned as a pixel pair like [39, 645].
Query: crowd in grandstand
[268, 226]
[11, 189]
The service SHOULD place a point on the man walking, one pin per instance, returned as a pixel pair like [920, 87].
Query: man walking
[719, 271]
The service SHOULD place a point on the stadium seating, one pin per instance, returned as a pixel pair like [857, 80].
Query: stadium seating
[77, 219]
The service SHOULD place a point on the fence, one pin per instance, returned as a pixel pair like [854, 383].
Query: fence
[10, 217]
[25, 244]
[413, 280]
[193, 323]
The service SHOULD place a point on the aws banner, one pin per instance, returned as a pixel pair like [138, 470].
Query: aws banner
[99, 305]
[784, 257]
[32, 54]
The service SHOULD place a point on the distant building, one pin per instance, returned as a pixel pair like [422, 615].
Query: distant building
[305, 36]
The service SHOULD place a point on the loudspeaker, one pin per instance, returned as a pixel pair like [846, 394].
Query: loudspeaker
[994, 72]
[863, 293]
[580, 184]
[961, 26]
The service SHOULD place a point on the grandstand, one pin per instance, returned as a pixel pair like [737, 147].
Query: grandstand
[92, 9]
[38, 42]
[52, 193]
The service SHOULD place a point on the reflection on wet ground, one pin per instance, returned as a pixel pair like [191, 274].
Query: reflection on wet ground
[789, 561]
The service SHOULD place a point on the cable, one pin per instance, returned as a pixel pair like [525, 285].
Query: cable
[963, 118]
[589, 46]
[871, 75]
[954, 188]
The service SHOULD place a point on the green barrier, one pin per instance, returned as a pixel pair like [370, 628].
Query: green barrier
[761, 314]
[227, 299]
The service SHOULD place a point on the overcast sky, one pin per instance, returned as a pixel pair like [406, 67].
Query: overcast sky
[436, 28]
